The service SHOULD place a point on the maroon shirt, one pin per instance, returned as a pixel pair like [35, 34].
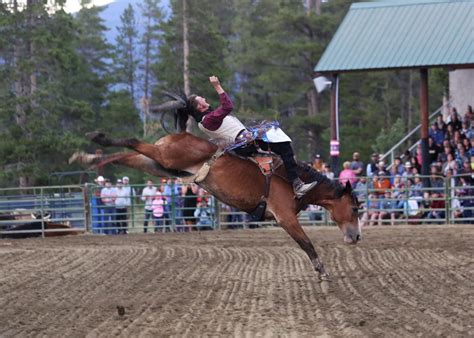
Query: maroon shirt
[213, 119]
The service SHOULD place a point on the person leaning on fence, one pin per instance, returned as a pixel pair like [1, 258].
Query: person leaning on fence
[108, 197]
[98, 206]
[148, 194]
[130, 194]
[158, 210]
[121, 204]
[203, 214]
[190, 202]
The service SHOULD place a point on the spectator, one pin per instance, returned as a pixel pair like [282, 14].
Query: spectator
[456, 209]
[108, 197]
[178, 202]
[347, 174]
[361, 189]
[437, 207]
[436, 134]
[433, 150]
[461, 155]
[121, 205]
[410, 206]
[408, 170]
[190, 203]
[382, 168]
[441, 124]
[399, 169]
[471, 149]
[454, 120]
[317, 163]
[172, 191]
[468, 115]
[357, 166]
[447, 149]
[387, 208]
[457, 139]
[381, 183]
[450, 134]
[130, 195]
[436, 181]
[372, 211]
[398, 187]
[466, 196]
[314, 212]
[467, 145]
[148, 194]
[466, 168]
[465, 127]
[449, 164]
[98, 210]
[416, 190]
[372, 166]
[203, 214]
[327, 171]
[158, 210]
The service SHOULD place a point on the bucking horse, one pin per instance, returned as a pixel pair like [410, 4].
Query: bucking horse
[236, 181]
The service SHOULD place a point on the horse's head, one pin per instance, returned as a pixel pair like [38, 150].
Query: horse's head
[345, 212]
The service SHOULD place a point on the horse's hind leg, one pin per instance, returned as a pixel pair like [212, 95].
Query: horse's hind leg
[294, 229]
[147, 149]
[131, 160]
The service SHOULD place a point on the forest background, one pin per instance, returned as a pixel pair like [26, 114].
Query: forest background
[61, 78]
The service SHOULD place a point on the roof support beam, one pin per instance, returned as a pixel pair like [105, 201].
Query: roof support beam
[424, 121]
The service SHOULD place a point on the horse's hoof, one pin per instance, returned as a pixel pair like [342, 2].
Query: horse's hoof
[95, 135]
[82, 158]
[324, 278]
[75, 157]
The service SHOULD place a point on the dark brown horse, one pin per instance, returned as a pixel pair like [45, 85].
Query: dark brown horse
[238, 182]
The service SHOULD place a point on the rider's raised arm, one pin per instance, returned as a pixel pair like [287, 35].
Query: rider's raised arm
[226, 102]
[213, 120]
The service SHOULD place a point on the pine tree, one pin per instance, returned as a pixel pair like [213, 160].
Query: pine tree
[125, 61]
[153, 16]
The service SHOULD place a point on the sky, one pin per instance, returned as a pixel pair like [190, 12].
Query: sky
[73, 5]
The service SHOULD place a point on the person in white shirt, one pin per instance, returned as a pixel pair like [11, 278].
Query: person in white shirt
[122, 202]
[148, 194]
[108, 197]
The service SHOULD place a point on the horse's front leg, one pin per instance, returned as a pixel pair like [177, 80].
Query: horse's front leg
[294, 229]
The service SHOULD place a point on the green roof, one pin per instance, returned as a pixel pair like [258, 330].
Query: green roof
[402, 34]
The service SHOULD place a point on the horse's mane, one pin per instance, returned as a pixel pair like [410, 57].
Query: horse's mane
[314, 175]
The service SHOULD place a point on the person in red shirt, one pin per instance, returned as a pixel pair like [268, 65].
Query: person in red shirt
[219, 124]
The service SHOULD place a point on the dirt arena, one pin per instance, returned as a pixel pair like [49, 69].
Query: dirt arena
[399, 281]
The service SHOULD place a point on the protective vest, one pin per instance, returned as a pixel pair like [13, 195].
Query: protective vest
[228, 130]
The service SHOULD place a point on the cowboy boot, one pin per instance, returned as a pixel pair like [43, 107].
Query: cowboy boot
[300, 188]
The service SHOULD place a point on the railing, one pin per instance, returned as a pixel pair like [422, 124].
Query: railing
[447, 201]
[42, 211]
[391, 153]
[79, 210]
